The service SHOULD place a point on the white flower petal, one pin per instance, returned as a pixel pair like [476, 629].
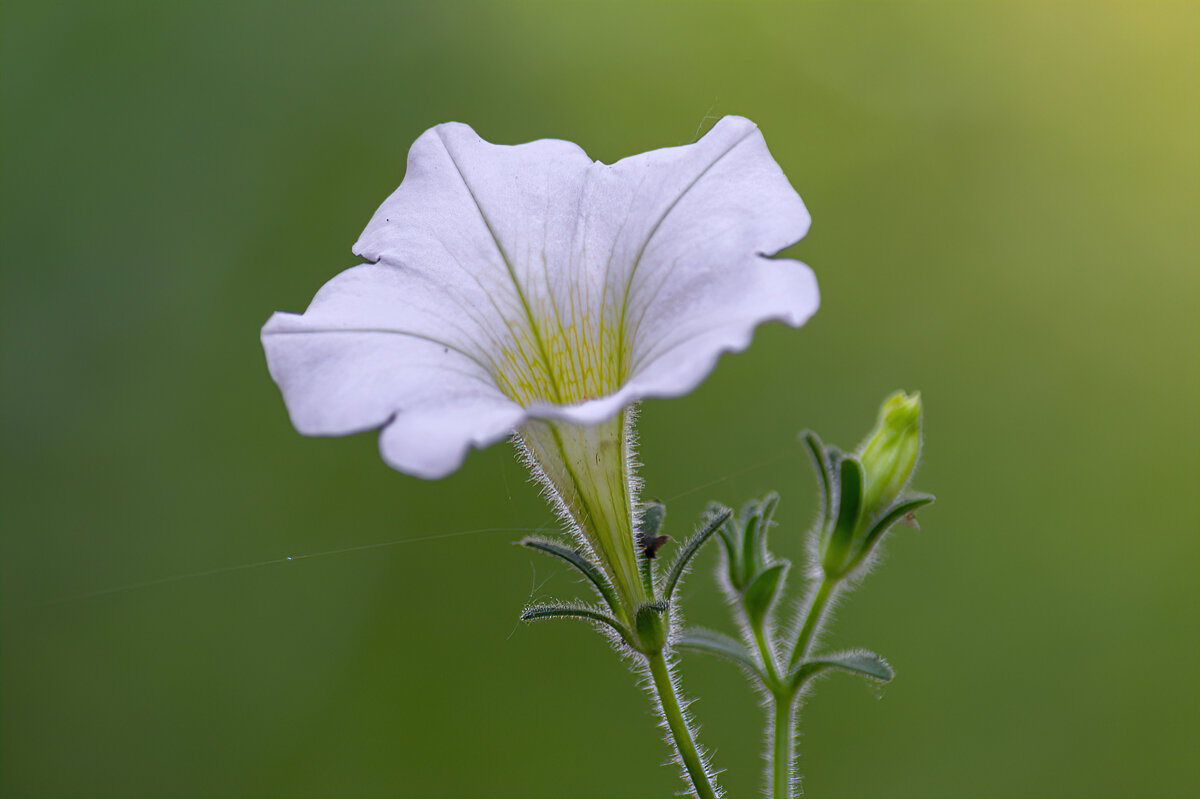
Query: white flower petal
[431, 442]
[367, 353]
[496, 226]
[695, 283]
[673, 359]
[779, 290]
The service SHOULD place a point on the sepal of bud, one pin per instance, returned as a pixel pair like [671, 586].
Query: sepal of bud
[864, 494]
[760, 595]
[839, 548]
[650, 627]
[745, 538]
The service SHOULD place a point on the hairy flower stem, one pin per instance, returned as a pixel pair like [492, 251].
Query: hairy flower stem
[664, 686]
[781, 768]
[812, 620]
[783, 698]
[782, 752]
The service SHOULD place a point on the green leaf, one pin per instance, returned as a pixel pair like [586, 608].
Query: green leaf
[570, 610]
[756, 523]
[820, 459]
[859, 662]
[748, 521]
[729, 539]
[894, 514]
[850, 484]
[769, 503]
[760, 595]
[577, 559]
[711, 642]
[689, 551]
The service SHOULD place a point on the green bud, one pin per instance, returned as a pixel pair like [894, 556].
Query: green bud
[889, 454]
[650, 628]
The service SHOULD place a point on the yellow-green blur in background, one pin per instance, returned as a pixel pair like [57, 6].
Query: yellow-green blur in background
[1005, 210]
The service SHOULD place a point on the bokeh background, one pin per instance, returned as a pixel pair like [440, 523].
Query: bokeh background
[1005, 204]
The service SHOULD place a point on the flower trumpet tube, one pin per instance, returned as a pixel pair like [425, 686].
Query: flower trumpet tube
[528, 290]
[589, 477]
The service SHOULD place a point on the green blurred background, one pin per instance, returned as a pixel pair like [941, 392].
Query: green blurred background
[1005, 204]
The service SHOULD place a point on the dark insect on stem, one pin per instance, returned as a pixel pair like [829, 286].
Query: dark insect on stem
[650, 544]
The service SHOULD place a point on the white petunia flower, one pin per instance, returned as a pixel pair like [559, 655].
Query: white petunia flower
[530, 289]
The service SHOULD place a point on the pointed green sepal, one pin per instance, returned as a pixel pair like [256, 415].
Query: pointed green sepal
[756, 519]
[689, 551]
[650, 627]
[859, 662]
[820, 459]
[760, 595]
[752, 558]
[577, 559]
[710, 642]
[841, 538]
[894, 514]
[571, 610]
[729, 540]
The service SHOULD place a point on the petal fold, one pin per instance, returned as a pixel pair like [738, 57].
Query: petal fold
[368, 353]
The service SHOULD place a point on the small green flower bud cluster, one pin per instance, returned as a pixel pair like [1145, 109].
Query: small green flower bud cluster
[863, 493]
[744, 537]
[749, 572]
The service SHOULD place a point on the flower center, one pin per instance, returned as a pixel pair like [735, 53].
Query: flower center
[561, 361]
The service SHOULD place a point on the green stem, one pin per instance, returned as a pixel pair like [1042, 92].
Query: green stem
[767, 653]
[781, 756]
[812, 621]
[660, 673]
[783, 699]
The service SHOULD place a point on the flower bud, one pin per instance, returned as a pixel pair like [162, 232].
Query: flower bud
[650, 628]
[889, 454]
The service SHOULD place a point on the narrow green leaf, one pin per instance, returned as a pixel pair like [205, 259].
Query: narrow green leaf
[577, 559]
[769, 503]
[689, 551]
[766, 520]
[710, 642]
[820, 459]
[573, 611]
[729, 538]
[850, 494]
[859, 662]
[731, 561]
[760, 595]
[748, 521]
[894, 514]
[850, 484]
